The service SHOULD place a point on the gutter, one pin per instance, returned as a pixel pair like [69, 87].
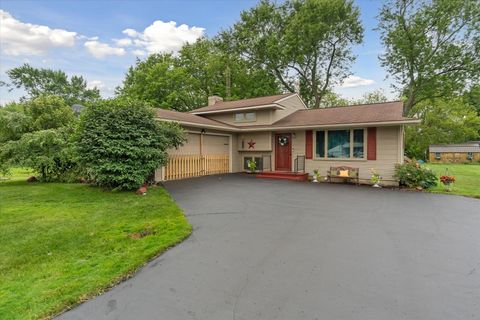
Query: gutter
[279, 128]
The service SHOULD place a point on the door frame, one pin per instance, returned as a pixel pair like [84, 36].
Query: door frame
[289, 134]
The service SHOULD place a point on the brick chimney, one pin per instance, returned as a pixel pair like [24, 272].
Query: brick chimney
[214, 99]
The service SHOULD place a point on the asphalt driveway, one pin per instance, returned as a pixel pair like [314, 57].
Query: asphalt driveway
[268, 249]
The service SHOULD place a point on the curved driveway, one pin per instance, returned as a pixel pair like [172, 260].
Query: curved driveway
[269, 249]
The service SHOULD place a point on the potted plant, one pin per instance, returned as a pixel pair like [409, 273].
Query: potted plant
[315, 175]
[447, 181]
[252, 166]
[375, 178]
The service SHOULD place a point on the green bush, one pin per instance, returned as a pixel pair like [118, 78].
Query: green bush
[48, 152]
[37, 134]
[413, 175]
[120, 143]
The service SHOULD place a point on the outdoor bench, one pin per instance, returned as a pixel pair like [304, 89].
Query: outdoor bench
[343, 172]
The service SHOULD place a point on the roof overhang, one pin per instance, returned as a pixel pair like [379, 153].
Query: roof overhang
[272, 106]
[303, 127]
[336, 125]
[200, 125]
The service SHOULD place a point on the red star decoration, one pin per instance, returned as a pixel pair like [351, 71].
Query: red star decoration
[251, 144]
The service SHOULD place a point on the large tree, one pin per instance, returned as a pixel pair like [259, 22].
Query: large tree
[305, 41]
[37, 82]
[432, 47]
[184, 81]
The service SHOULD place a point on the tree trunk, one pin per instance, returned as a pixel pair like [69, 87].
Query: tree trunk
[407, 106]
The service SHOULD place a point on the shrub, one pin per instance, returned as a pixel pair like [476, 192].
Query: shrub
[413, 175]
[120, 143]
[48, 152]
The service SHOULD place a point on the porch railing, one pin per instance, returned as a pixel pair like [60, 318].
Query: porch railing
[299, 164]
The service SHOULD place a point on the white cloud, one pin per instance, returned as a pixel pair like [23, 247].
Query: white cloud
[96, 84]
[139, 53]
[105, 90]
[356, 81]
[164, 36]
[100, 50]
[125, 42]
[19, 38]
[130, 32]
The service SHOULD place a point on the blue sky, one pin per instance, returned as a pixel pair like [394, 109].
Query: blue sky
[101, 39]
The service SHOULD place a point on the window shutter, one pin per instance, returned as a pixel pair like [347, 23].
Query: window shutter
[372, 144]
[308, 144]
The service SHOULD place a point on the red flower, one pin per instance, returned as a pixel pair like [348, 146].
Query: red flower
[447, 179]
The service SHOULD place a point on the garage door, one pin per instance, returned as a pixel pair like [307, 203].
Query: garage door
[201, 155]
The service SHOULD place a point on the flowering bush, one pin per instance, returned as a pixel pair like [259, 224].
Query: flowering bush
[413, 175]
[447, 179]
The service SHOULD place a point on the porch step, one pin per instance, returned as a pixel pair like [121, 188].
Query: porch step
[295, 176]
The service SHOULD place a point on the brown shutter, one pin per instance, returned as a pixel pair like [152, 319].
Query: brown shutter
[308, 144]
[372, 144]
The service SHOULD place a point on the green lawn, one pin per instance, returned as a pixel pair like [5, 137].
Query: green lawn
[467, 178]
[62, 243]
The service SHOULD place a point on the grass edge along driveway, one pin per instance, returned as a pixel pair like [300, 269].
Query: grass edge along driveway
[64, 243]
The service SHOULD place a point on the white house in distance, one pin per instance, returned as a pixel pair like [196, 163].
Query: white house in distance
[286, 139]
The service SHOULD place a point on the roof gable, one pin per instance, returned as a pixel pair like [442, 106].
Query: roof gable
[225, 106]
[366, 113]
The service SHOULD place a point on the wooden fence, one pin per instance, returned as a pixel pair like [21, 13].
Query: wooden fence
[187, 166]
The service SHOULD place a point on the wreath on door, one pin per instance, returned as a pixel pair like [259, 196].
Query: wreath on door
[283, 141]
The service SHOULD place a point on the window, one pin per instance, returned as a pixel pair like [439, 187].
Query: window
[437, 156]
[258, 162]
[320, 144]
[245, 117]
[469, 155]
[340, 144]
[358, 143]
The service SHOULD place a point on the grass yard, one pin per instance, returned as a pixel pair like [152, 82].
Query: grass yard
[467, 178]
[63, 243]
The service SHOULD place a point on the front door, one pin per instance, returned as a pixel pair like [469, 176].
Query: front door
[283, 151]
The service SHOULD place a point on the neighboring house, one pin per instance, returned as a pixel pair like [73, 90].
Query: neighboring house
[461, 153]
[282, 135]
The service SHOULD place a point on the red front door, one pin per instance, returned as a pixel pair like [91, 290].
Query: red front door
[283, 151]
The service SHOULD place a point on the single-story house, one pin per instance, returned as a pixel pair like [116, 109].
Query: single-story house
[283, 136]
[460, 152]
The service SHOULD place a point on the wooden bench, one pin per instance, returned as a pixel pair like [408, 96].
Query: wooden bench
[334, 172]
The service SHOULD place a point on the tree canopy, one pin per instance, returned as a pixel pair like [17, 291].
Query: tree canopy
[431, 47]
[184, 82]
[36, 134]
[37, 82]
[307, 41]
[443, 121]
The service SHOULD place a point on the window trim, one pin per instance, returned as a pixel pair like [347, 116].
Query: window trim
[325, 145]
[244, 117]
[438, 156]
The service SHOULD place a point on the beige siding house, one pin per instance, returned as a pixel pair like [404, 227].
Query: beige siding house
[282, 136]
